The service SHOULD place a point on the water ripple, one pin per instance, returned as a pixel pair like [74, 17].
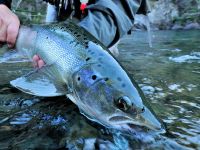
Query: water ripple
[193, 57]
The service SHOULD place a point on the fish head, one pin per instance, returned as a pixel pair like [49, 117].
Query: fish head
[103, 100]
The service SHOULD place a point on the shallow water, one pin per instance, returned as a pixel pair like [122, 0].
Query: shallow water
[168, 73]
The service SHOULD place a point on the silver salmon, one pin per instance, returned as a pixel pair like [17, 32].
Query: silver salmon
[79, 66]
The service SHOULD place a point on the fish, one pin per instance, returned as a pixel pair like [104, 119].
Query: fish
[80, 67]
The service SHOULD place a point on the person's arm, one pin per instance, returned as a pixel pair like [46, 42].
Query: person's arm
[9, 24]
[108, 21]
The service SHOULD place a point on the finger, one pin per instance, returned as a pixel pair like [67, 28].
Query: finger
[36, 58]
[3, 29]
[41, 63]
[2, 36]
[35, 61]
[1, 22]
[12, 32]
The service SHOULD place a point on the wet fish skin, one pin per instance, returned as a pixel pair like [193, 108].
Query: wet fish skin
[80, 67]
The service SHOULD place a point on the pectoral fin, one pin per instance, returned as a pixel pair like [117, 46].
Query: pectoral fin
[41, 83]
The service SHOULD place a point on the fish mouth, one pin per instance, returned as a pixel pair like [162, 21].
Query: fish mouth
[120, 119]
[143, 122]
[127, 125]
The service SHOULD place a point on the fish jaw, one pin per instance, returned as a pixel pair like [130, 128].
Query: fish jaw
[146, 120]
[151, 121]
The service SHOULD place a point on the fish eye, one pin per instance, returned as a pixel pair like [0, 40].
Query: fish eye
[124, 103]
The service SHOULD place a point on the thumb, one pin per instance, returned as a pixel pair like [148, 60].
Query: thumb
[12, 32]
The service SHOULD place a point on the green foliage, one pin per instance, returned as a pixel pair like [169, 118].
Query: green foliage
[30, 11]
[189, 11]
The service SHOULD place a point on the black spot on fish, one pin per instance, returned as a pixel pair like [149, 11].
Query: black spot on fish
[119, 79]
[87, 59]
[94, 77]
[75, 33]
[123, 85]
[86, 46]
[71, 42]
[99, 59]
[76, 44]
[79, 78]
[78, 35]
[47, 37]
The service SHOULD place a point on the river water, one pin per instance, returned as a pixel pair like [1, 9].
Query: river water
[168, 73]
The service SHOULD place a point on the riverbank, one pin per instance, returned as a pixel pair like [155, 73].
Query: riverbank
[141, 23]
[172, 15]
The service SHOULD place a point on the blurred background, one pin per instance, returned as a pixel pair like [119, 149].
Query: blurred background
[165, 14]
[168, 72]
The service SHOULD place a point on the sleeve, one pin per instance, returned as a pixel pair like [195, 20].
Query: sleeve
[6, 2]
[108, 21]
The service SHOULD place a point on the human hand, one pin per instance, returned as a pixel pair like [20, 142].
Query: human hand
[38, 62]
[9, 26]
